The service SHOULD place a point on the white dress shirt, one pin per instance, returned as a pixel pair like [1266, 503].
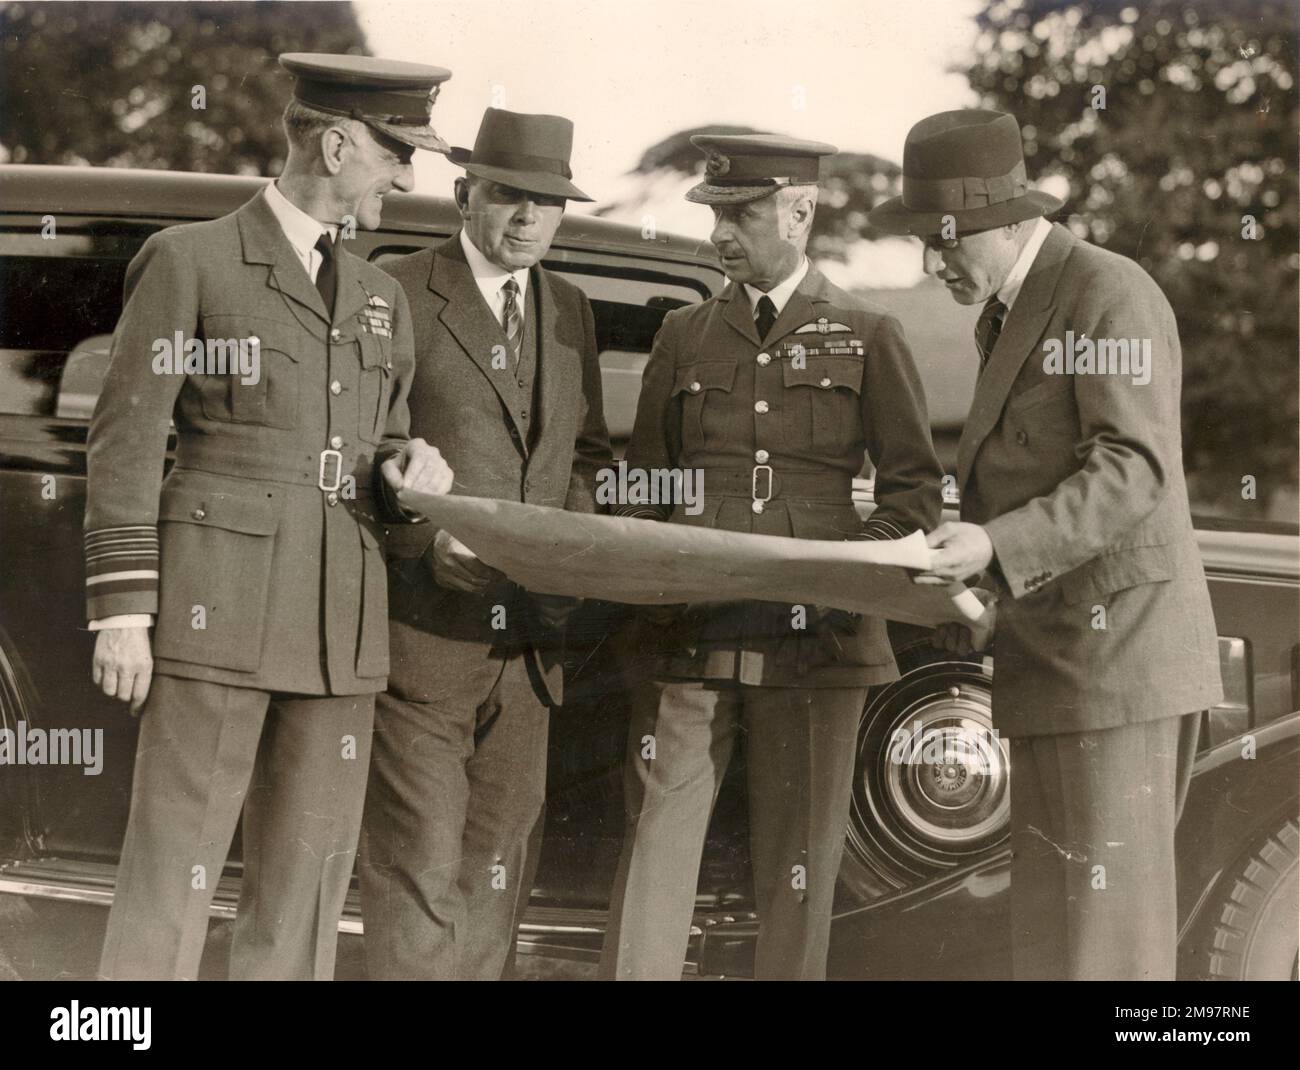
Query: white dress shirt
[1010, 290]
[303, 232]
[491, 278]
[780, 293]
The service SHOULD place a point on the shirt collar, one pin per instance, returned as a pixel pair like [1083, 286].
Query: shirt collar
[301, 229]
[1010, 290]
[780, 293]
[488, 275]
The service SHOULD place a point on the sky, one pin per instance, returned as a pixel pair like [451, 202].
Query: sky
[856, 73]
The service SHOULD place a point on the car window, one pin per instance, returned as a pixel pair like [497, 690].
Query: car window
[58, 297]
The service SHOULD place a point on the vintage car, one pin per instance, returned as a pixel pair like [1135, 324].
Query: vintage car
[923, 887]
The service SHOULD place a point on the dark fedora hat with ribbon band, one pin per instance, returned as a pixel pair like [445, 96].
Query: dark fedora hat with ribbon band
[529, 152]
[968, 165]
[393, 97]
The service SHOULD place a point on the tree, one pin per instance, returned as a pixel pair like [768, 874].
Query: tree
[1175, 123]
[119, 84]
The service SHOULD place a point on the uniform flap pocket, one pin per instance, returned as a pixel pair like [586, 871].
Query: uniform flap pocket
[373, 352]
[1116, 571]
[705, 375]
[263, 334]
[824, 373]
[218, 510]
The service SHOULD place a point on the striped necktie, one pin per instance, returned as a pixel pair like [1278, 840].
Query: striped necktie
[988, 327]
[511, 319]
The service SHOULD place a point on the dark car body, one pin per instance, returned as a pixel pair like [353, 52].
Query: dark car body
[918, 897]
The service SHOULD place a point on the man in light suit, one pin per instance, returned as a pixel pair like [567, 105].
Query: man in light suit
[1074, 511]
[508, 380]
[257, 561]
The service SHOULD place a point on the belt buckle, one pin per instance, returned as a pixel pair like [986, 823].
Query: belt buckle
[325, 457]
[753, 482]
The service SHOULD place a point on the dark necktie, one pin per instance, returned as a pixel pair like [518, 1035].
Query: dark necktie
[327, 274]
[988, 327]
[511, 320]
[766, 316]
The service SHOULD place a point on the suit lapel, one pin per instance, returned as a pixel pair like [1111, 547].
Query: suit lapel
[264, 242]
[559, 376]
[351, 296]
[739, 315]
[467, 317]
[1024, 327]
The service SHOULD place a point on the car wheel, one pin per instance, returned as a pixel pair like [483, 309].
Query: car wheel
[1250, 931]
[932, 779]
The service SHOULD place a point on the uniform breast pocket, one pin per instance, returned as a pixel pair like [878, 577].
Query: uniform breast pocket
[375, 387]
[822, 401]
[703, 388]
[251, 371]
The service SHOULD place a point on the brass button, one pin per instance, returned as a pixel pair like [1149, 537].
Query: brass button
[332, 498]
[336, 387]
[335, 335]
[761, 456]
[336, 443]
[695, 387]
[825, 381]
[760, 407]
[764, 359]
[198, 514]
[757, 507]
[1022, 438]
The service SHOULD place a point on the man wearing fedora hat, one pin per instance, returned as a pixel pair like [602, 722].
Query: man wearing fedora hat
[507, 380]
[257, 561]
[1074, 515]
[772, 391]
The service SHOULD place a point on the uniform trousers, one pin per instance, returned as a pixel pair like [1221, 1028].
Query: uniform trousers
[800, 745]
[452, 824]
[1092, 840]
[296, 765]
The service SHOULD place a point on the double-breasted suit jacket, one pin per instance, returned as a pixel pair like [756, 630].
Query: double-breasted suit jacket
[778, 427]
[543, 446]
[259, 574]
[1078, 480]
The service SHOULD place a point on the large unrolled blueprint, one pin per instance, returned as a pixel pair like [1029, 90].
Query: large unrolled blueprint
[646, 562]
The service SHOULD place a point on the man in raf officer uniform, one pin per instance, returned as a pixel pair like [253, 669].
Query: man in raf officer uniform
[257, 561]
[773, 390]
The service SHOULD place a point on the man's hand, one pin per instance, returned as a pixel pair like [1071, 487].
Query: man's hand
[419, 469]
[554, 610]
[457, 567]
[968, 639]
[123, 665]
[961, 550]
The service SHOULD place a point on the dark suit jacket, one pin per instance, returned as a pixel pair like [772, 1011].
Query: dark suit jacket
[458, 404]
[715, 395]
[291, 584]
[1078, 480]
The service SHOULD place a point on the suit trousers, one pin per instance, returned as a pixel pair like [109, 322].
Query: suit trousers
[297, 767]
[452, 825]
[800, 753]
[1092, 838]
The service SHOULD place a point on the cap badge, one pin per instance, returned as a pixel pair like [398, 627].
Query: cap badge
[716, 164]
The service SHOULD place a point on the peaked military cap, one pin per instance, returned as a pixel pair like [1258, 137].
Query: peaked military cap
[393, 97]
[747, 167]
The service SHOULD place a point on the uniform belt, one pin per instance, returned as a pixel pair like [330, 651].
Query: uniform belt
[239, 460]
[764, 483]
